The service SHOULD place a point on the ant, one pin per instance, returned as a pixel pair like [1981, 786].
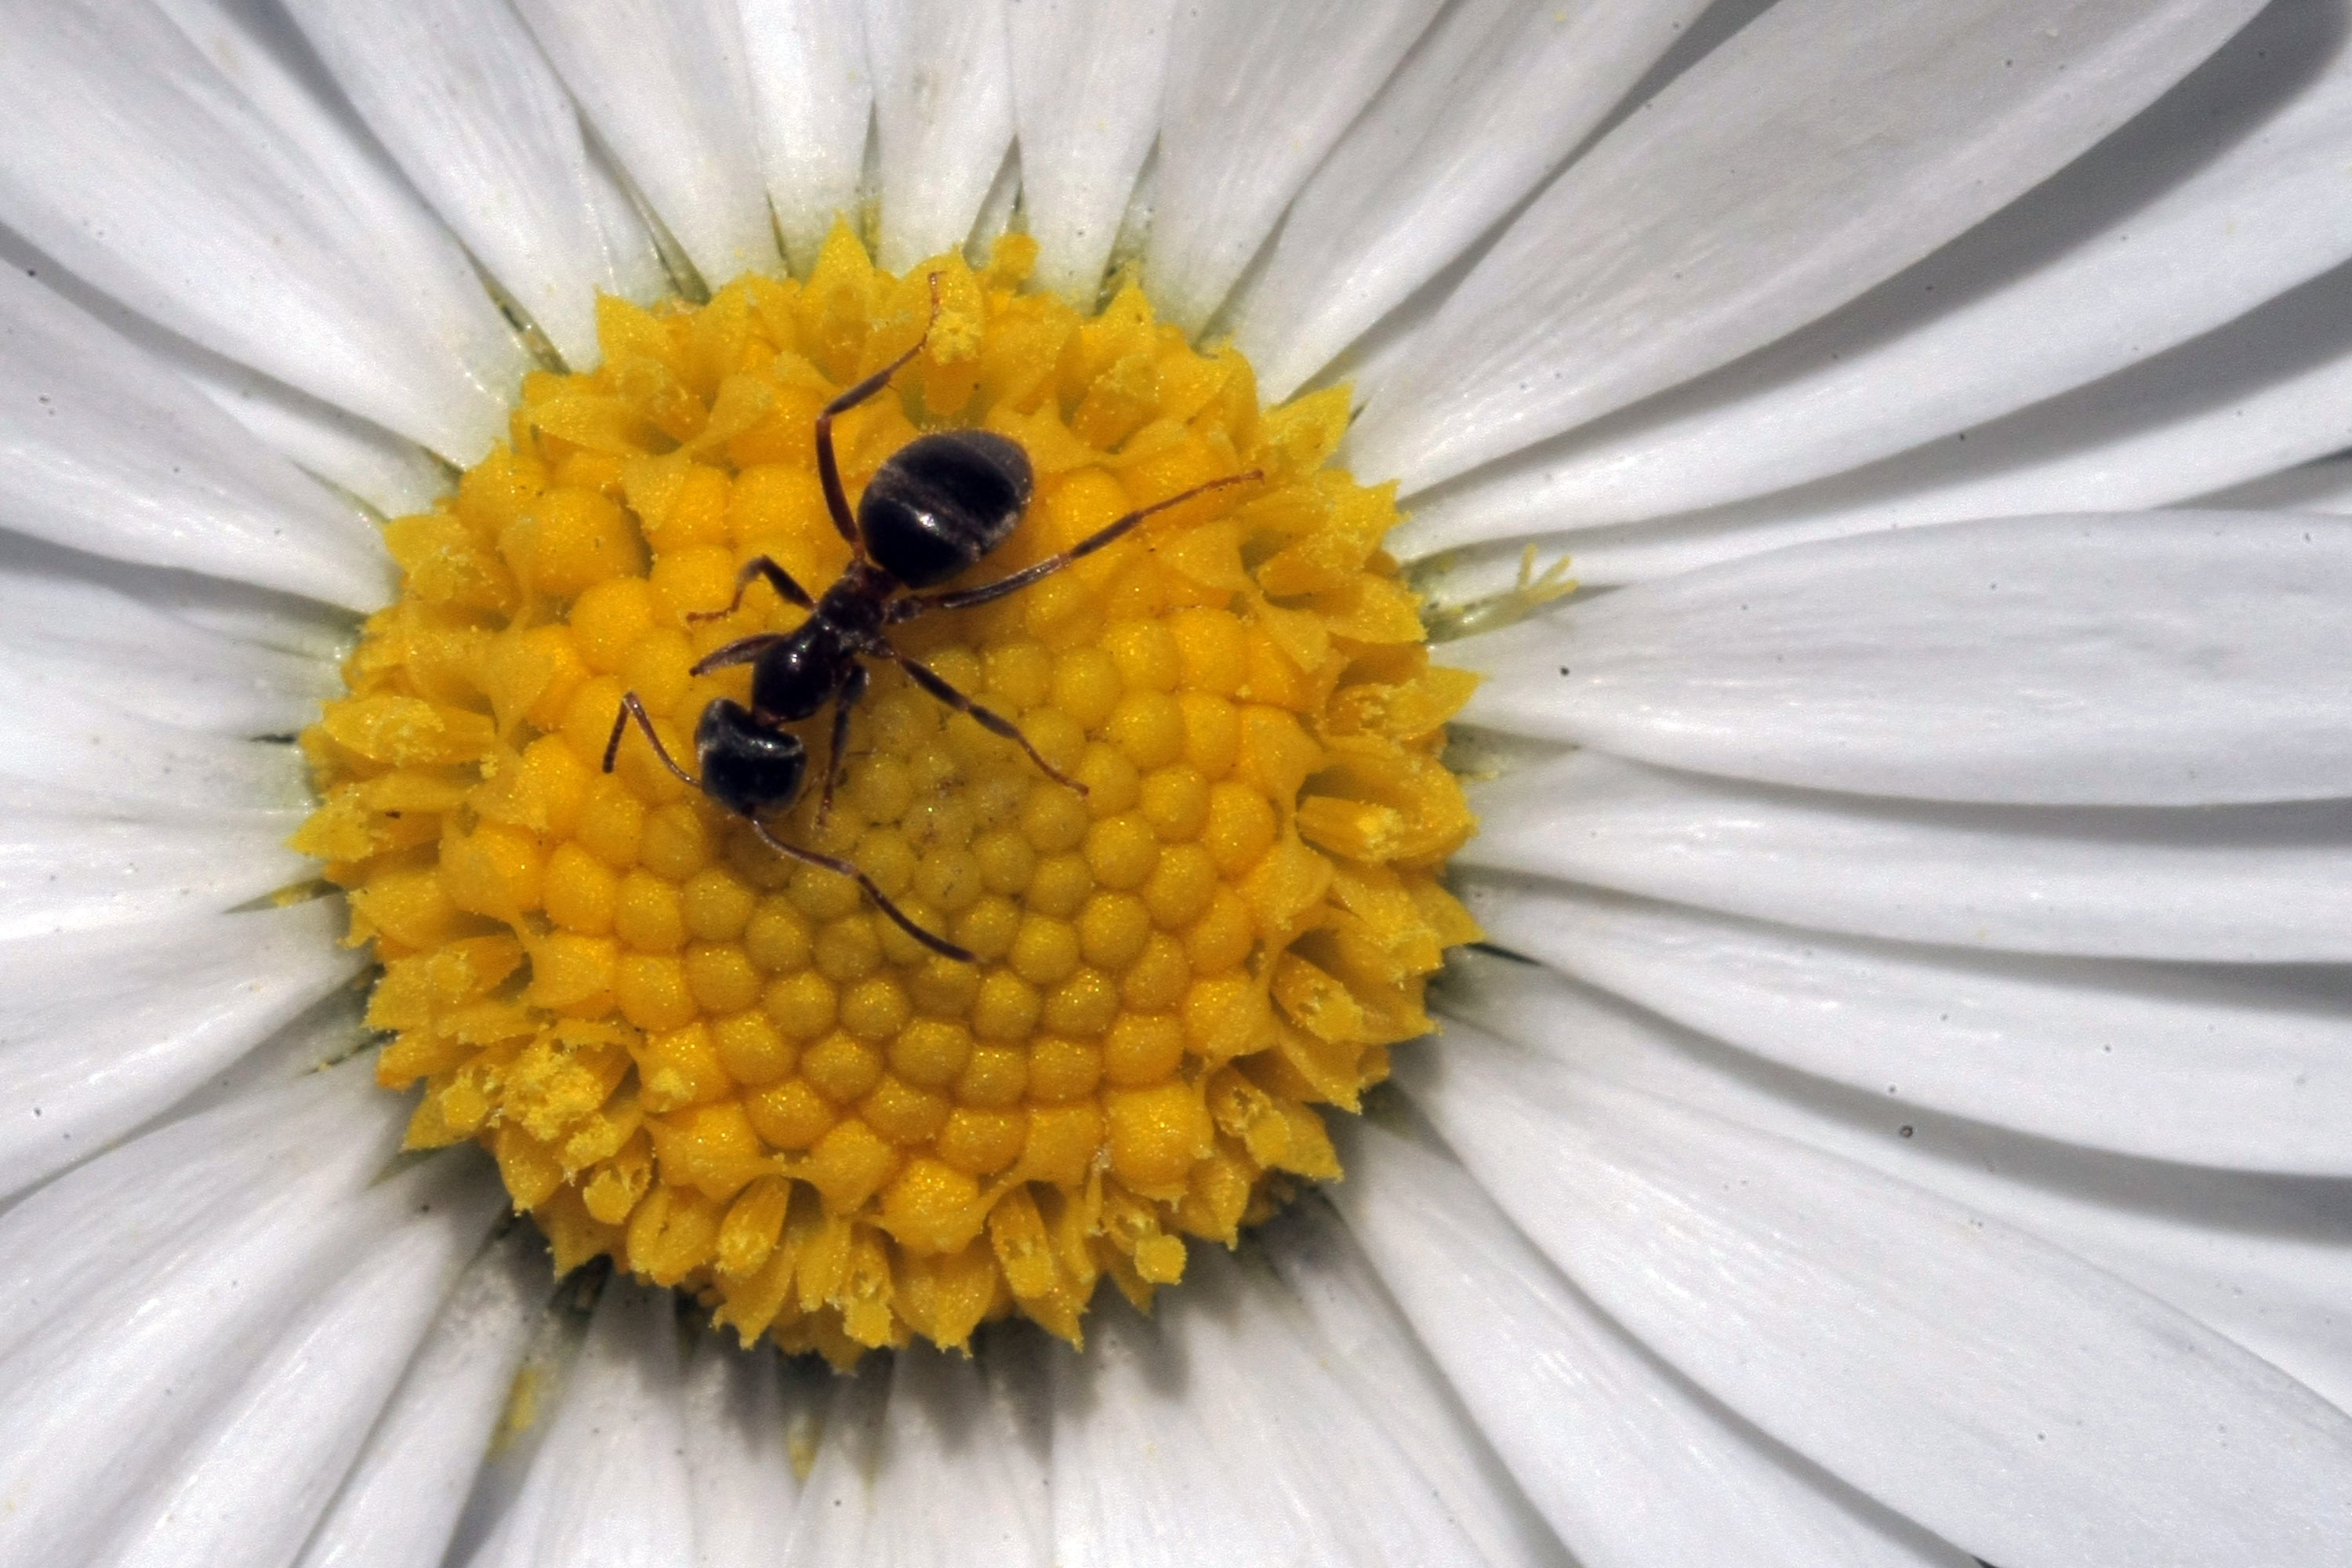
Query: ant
[936, 508]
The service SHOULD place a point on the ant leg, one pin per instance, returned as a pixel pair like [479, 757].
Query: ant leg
[742, 650]
[633, 709]
[913, 605]
[994, 723]
[937, 944]
[851, 691]
[828, 467]
[758, 567]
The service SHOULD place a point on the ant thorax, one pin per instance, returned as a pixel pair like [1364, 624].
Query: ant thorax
[857, 601]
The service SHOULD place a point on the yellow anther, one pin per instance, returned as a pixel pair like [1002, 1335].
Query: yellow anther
[571, 539]
[802, 1003]
[791, 1115]
[842, 1068]
[1086, 685]
[752, 1049]
[608, 619]
[721, 977]
[647, 914]
[727, 1070]
[776, 937]
[717, 904]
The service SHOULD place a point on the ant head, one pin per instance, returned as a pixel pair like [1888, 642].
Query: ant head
[942, 502]
[747, 765]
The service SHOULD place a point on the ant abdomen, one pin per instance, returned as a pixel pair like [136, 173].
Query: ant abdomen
[942, 502]
[798, 675]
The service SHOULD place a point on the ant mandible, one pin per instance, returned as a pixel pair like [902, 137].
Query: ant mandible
[937, 507]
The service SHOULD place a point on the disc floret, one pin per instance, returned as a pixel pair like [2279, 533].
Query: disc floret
[728, 1072]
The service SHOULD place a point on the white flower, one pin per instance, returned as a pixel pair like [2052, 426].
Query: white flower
[1923, 1133]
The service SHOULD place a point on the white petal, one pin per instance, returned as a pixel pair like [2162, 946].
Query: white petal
[125, 155]
[958, 1474]
[103, 449]
[608, 1485]
[1263, 1367]
[119, 1351]
[2173, 1064]
[836, 1501]
[2221, 196]
[2234, 884]
[2267, 1262]
[389, 473]
[1137, 1474]
[1213, 1433]
[253, 1483]
[502, 1467]
[66, 865]
[461, 96]
[638, 263]
[739, 1449]
[2265, 393]
[1423, 173]
[274, 649]
[2165, 659]
[405, 245]
[178, 1191]
[2325, 486]
[943, 111]
[1369, 1343]
[326, 1036]
[1256, 95]
[997, 210]
[1087, 76]
[1631, 1464]
[1826, 147]
[2022, 1404]
[97, 753]
[1135, 225]
[813, 94]
[401, 1501]
[100, 1030]
[118, 637]
[308, 634]
[663, 84]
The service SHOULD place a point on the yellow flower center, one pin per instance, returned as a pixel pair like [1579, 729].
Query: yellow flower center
[727, 1070]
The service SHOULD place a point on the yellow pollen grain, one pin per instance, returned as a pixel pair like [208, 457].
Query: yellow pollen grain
[729, 1072]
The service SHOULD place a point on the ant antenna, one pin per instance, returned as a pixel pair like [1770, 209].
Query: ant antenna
[937, 944]
[631, 708]
[828, 467]
[913, 605]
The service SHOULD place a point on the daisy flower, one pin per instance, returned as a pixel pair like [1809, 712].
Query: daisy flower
[1890, 1111]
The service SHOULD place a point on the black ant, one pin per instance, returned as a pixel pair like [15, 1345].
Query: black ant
[937, 507]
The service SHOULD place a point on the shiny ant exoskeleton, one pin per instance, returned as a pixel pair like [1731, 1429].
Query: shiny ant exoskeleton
[937, 507]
